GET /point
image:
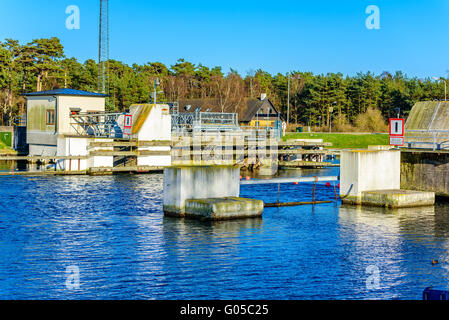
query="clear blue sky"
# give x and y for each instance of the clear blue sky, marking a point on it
(276, 36)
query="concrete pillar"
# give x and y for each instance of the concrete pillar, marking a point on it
(98, 161)
(72, 146)
(198, 182)
(368, 170)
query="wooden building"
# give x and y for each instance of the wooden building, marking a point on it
(251, 112)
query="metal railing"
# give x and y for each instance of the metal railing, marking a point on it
(289, 180)
(439, 139)
(98, 124)
(204, 121)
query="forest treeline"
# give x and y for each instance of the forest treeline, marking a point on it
(42, 65)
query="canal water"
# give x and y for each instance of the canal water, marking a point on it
(111, 229)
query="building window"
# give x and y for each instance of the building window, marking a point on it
(51, 117)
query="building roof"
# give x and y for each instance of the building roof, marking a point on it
(66, 92)
(246, 109)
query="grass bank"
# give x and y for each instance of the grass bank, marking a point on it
(343, 140)
(4, 149)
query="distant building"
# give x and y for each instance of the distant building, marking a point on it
(251, 112)
(48, 116)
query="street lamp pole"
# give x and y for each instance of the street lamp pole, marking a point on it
(331, 109)
(156, 84)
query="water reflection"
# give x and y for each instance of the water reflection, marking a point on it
(113, 229)
(400, 242)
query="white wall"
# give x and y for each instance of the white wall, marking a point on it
(157, 127)
(84, 103)
(72, 147)
(182, 183)
(101, 161)
(79, 146)
(368, 170)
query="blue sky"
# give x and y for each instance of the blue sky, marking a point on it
(276, 36)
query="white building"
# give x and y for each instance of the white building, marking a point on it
(48, 116)
(73, 126)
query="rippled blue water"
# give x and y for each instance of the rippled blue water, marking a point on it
(112, 228)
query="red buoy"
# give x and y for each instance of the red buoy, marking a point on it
(328, 184)
(248, 178)
(338, 186)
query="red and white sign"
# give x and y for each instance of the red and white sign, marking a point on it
(397, 132)
(128, 124)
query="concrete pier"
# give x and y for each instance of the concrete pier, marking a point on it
(398, 198)
(425, 170)
(206, 193)
(372, 177)
(368, 170)
(223, 208)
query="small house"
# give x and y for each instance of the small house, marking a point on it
(252, 112)
(48, 116)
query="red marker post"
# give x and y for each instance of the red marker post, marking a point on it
(128, 124)
(397, 132)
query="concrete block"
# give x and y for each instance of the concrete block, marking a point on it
(42, 150)
(155, 161)
(198, 182)
(100, 161)
(223, 208)
(398, 198)
(368, 170)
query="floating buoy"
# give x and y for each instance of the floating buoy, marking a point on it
(328, 184)
(248, 178)
(338, 186)
(434, 261)
(241, 177)
(295, 182)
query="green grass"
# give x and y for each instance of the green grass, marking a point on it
(4, 149)
(5, 138)
(343, 140)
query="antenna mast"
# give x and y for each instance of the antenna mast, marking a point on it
(103, 48)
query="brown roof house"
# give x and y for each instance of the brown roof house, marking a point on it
(251, 112)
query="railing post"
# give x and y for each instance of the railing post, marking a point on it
(434, 141)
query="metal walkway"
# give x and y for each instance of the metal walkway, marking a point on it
(278, 181)
(289, 180)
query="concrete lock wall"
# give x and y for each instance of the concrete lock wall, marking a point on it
(72, 147)
(425, 171)
(183, 183)
(80, 146)
(100, 161)
(368, 170)
(42, 150)
(152, 123)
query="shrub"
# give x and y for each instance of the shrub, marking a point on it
(371, 121)
(341, 124)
